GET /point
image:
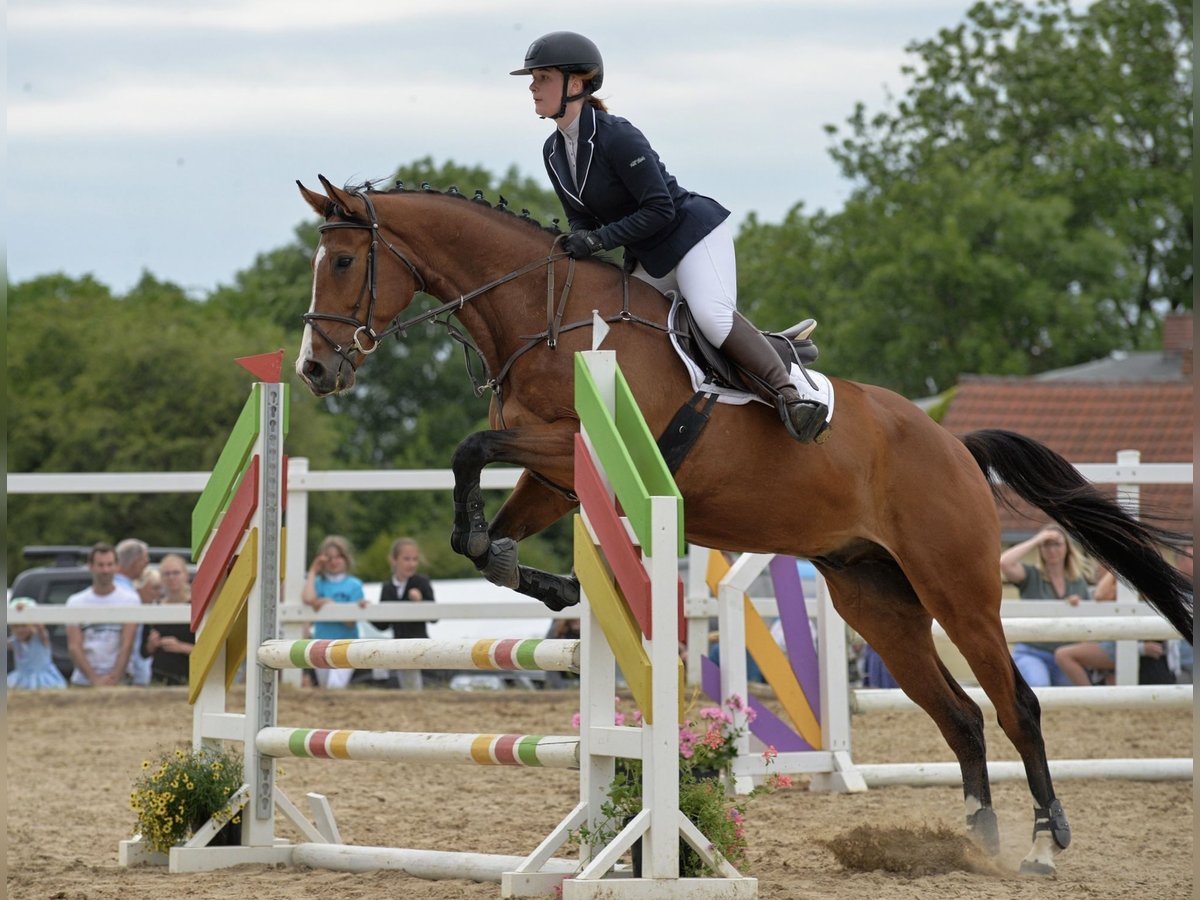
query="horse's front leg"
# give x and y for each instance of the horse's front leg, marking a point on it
(533, 505)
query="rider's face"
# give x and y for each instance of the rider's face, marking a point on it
(546, 87)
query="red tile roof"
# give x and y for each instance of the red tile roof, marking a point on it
(1086, 423)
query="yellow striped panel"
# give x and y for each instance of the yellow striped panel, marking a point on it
(620, 628)
(779, 675)
(222, 615)
(235, 645)
(771, 660)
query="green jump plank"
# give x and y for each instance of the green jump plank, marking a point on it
(643, 449)
(618, 465)
(617, 457)
(227, 472)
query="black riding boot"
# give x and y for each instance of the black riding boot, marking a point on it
(748, 348)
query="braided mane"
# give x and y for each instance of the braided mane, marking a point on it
(501, 207)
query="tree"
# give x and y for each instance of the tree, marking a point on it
(1025, 205)
(140, 383)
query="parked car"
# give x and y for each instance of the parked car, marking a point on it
(66, 574)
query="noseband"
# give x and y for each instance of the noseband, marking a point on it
(363, 326)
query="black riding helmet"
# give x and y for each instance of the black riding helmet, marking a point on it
(572, 54)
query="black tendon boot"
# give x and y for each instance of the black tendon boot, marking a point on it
(747, 348)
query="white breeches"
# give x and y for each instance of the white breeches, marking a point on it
(707, 278)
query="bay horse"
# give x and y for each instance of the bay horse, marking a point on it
(895, 512)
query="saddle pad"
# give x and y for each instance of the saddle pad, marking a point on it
(823, 392)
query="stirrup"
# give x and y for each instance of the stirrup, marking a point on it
(812, 428)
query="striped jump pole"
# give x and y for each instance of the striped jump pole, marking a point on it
(531, 655)
(522, 750)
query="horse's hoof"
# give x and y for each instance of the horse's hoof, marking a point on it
(1037, 868)
(1040, 859)
(556, 591)
(501, 565)
(985, 830)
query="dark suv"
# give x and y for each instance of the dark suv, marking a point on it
(66, 574)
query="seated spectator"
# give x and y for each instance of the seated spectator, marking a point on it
(1058, 575)
(170, 645)
(101, 652)
(1159, 662)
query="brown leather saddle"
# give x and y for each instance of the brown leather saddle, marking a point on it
(793, 345)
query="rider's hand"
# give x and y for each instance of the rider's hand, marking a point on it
(582, 244)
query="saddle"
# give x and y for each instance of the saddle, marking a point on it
(792, 344)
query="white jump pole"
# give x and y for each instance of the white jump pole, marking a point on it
(949, 773)
(422, 653)
(1143, 696)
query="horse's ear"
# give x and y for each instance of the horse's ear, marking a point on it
(321, 204)
(351, 204)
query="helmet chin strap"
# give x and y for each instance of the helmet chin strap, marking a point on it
(562, 108)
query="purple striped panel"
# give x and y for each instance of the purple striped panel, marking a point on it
(797, 632)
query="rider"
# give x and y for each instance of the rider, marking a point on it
(617, 193)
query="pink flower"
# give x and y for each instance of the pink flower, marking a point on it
(575, 719)
(619, 718)
(735, 703)
(637, 717)
(770, 753)
(780, 781)
(736, 816)
(716, 714)
(751, 714)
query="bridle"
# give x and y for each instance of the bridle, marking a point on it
(554, 316)
(363, 326)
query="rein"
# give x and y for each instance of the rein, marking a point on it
(554, 326)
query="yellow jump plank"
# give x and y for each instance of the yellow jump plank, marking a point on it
(617, 622)
(223, 615)
(771, 660)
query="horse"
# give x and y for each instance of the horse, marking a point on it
(897, 514)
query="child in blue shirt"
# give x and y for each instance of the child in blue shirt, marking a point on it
(329, 581)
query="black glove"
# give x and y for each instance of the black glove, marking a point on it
(582, 244)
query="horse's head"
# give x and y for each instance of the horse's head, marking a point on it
(348, 314)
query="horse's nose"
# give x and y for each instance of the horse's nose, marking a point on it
(313, 369)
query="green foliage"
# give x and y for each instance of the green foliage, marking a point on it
(143, 383)
(177, 793)
(1024, 206)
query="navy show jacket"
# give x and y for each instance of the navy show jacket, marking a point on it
(626, 194)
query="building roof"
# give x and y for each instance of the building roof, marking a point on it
(1088, 421)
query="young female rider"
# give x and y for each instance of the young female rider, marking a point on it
(617, 193)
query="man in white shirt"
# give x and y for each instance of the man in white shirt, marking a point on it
(101, 652)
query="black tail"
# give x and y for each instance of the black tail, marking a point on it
(1106, 532)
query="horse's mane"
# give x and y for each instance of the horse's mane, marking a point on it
(501, 207)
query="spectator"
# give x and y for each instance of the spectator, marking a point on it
(1058, 575)
(1159, 662)
(101, 652)
(406, 586)
(133, 561)
(168, 646)
(329, 581)
(30, 644)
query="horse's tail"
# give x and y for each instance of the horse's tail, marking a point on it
(1107, 532)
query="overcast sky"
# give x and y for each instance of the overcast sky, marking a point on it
(167, 135)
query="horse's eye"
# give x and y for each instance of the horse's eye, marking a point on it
(343, 262)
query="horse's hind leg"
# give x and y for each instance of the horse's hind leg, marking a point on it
(967, 607)
(876, 600)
